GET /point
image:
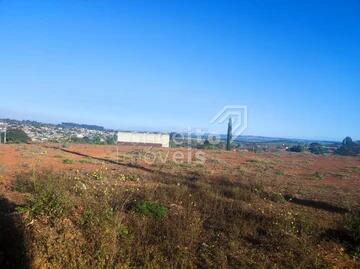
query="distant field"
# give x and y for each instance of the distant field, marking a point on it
(87, 206)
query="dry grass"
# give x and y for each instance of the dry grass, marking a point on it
(77, 221)
(238, 210)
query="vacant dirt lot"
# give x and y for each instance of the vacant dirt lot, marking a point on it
(307, 195)
(330, 179)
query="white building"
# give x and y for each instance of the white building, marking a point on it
(160, 139)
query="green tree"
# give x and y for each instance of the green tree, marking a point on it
(111, 140)
(317, 148)
(229, 135)
(297, 148)
(348, 148)
(96, 140)
(17, 136)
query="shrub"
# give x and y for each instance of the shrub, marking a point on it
(154, 210)
(316, 148)
(297, 148)
(207, 145)
(46, 200)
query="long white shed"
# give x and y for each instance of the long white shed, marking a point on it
(161, 139)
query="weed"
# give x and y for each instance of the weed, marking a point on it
(87, 160)
(259, 189)
(317, 175)
(275, 197)
(68, 161)
(97, 175)
(352, 227)
(46, 200)
(123, 177)
(261, 165)
(123, 231)
(91, 218)
(23, 184)
(151, 209)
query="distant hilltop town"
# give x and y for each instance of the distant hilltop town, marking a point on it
(66, 131)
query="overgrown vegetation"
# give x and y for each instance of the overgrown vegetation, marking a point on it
(48, 200)
(352, 226)
(151, 209)
(74, 220)
(97, 140)
(348, 148)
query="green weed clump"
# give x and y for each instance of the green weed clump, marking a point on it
(46, 199)
(87, 160)
(67, 161)
(147, 208)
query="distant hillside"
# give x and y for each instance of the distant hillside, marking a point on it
(25, 122)
(66, 125)
(267, 140)
(262, 139)
(85, 126)
(240, 139)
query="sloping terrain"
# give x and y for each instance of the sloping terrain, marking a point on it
(87, 206)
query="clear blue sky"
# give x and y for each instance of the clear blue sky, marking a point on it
(170, 65)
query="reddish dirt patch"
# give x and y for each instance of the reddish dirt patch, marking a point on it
(332, 179)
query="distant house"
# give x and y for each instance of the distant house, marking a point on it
(157, 139)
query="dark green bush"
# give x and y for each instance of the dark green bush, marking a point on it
(316, 148)
(297, 148)
(17, 136)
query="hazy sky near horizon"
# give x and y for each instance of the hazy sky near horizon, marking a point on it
(170, 65)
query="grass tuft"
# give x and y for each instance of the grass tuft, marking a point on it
(67, 161)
